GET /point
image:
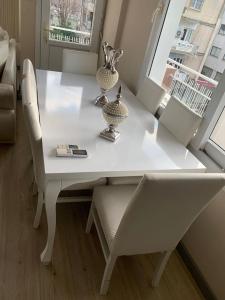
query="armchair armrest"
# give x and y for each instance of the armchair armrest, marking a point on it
(7, 96)
(9, 73)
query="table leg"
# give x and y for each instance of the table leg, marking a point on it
(51, 194)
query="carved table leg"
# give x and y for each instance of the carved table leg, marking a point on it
(51, 194)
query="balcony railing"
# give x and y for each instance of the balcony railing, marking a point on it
(69, 35)
(189, 86)
(184, 47)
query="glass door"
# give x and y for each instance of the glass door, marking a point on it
(72, 24)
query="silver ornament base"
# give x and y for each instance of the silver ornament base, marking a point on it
(110, 134)
(101, 100)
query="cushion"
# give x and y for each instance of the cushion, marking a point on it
(4, 49)
(111, 203)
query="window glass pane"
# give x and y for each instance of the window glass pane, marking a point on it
(71, 20)
(215, 51)
(218, 76)
(222, 29)
(197, 4)
(218, 134)
(207, 71)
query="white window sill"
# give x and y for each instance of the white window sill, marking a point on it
(196, 9)
(211, 165)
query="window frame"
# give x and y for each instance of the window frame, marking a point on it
(217, 48)
(194, 4)
(213, 112)
(209, 69)
(221, 32)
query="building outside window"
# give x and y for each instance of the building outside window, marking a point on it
(215, 51)
(202, 74)
(187, 34)
(218, 76)
(197, 4)
(207, 71)
(222, 29)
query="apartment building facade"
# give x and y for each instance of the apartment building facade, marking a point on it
(198, 27)
(215, 61)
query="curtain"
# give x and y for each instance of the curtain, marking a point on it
(10, 16)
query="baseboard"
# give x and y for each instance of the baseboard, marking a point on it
(197, 275)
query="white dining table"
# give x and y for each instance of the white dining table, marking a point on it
(68, 116)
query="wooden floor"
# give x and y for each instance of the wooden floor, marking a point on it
(78, 262)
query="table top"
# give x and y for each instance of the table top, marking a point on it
(68, 116)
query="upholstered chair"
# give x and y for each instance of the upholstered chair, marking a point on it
(31, 115)
(180, 120)
(8, 91)
(148, 218)
(151, 95)
(79, 62)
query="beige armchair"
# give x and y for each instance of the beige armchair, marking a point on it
(8, 97)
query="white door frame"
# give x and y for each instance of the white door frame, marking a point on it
(42, 11)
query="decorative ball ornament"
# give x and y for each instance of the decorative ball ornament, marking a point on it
(107, 75)
(114, 113)
(106, 78)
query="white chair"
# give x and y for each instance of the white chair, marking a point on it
(79, 62)
(151, 95)
(29, 87)
(31, 115)
(149, 218)
(180, 120)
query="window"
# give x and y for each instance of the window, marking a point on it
(218, 76)
(222, 29)
(72, 21)
(187, 33)
(218, 134)
(215, 51)
(215, 146)
(207, 71)
(197, 4)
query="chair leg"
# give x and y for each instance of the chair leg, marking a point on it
(90, 219)
(107, 274)
(160, 267)
(39, 209)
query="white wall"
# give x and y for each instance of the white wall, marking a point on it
(27, 39)
(205, 241)
(133, 39)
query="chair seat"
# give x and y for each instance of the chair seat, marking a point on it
(124, 180)
(111, 203)
(86, 185)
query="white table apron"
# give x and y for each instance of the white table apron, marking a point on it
(68, 116)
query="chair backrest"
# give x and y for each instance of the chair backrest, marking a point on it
(162, 209)
(31, 115)
(35, 137)
(180, 120)
(29, 86)
(151, 94)
(79, 62)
